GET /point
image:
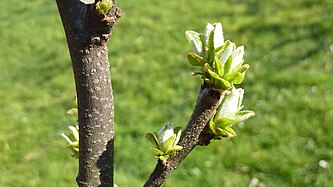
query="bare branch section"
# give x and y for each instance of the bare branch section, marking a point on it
(87, 35)
(207, 102)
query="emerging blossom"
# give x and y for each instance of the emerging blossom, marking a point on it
(228, 114)
(221, 61)
(165, 141)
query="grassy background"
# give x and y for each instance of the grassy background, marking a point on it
(289, 45)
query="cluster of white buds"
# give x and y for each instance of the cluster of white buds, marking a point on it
(221, 61)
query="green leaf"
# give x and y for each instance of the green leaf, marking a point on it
(66, 138)
(74, 144)
(75, 103)
(237, 76)
(243, 68)
(220, 132)
(227, 65)
(153, 139)
(213, 74)
(178, 133)
(163, 158)
(176, 148)
(157, 151)
(195, 40)
(212, 126)
(223, 122)
(210, 45)
(74, 132)
(218, 67)
(219, 50)
(75, 149)
(195, 59)
(243, 115)
(231, 131)
(207, 78)
(234, 77)
(207, 67)
(167, 145)
(226, 132)
(221, 84)
(225, 52)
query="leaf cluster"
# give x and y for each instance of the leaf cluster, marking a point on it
(222, 64)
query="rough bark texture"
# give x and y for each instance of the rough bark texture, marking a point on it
(87, 35)
(207, 102)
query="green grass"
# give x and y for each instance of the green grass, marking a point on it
(288, 44)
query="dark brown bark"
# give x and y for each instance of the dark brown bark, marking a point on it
(207, 102)
(87, 34)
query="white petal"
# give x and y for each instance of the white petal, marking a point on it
(165, 133)
(218, 35)
(237, 56)
(208, 31)
(245, 116)
(227, 52)
(194, 39)
(177, 137)
(230, 104)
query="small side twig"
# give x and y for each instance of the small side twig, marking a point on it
(207, 102)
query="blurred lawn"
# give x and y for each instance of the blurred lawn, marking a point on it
(289, 45)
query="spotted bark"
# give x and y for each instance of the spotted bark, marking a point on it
(87, 36)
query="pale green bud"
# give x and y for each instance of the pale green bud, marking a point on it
(165, 141)
(231, 104)
(228, 114)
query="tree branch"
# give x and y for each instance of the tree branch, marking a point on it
(207, 102)
(87, 34)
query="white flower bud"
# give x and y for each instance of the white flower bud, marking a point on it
(231, 104)
(165, 133)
